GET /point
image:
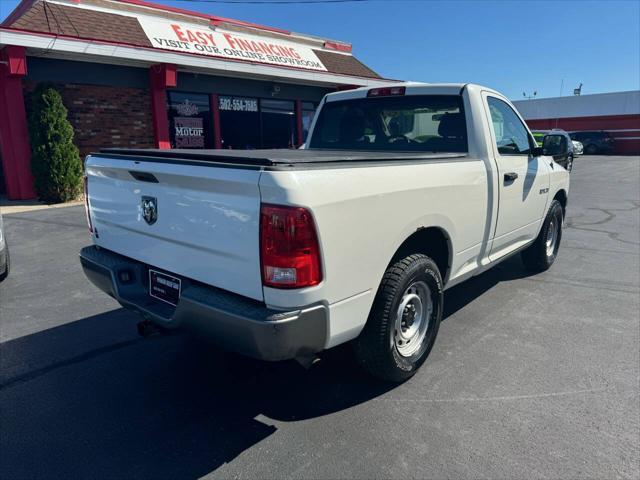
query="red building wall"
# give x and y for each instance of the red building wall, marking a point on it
(624, 128)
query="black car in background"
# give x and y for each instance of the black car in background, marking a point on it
(595, 142)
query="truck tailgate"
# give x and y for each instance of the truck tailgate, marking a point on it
(207, 218)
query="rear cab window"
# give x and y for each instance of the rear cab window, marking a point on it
(412, 123)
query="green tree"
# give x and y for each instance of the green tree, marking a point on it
(55, 160)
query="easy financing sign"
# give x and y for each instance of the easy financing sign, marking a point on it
(192, 39)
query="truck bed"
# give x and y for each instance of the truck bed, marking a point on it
(270, 158)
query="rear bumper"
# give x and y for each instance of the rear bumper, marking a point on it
(235, 323)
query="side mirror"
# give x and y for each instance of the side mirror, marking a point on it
(552, 145)
(537, 151)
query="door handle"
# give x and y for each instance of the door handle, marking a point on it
(510, 177)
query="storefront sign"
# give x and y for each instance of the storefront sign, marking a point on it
(187, 108)
(238, 104)
(200, 40)
(189, 132)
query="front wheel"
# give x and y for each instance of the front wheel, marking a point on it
(569, 163)
(542, 253)
(404, 320)
(5, 273)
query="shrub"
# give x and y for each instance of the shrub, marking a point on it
(55, 160)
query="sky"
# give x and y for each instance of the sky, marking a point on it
(512, 46)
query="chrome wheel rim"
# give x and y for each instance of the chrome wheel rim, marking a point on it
(412, 318)
(552, 238)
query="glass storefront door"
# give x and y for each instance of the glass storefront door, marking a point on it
(250, 123)
(190, 123)
(278, 123)
(308, 112)
(239, 123)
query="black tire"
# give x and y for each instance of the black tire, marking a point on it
(570, 163)
(591, 149)
(376, 348)
(539, 256)
(7, 267)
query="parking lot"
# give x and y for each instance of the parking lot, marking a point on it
(531, 376)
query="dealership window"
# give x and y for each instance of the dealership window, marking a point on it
(248, 123)
(239, 123)
(308, 112)
(278, 123)
(190, 120)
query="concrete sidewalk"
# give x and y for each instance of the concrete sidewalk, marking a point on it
(8, 207)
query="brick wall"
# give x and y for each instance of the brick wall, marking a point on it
(105, 116)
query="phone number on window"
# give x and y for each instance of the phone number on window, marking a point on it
(239, 104)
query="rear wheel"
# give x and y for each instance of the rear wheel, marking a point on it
(542, 253)
(591, 149)
(404, 320)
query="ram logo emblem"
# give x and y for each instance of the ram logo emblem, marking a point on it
(150, 209)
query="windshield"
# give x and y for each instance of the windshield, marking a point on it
(414, 123)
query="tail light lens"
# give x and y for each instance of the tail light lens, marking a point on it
(289, 249)
(86, 203)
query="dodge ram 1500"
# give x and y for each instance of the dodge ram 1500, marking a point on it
(400, 193)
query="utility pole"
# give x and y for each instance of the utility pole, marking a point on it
(529, 97)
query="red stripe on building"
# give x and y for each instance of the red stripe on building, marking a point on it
(608, 123)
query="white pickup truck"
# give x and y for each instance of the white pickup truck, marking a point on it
(400, 193)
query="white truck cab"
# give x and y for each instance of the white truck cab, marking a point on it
(400, 192)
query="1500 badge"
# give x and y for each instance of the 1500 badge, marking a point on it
(543, 191)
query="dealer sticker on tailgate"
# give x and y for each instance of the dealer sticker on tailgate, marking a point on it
(164, 287)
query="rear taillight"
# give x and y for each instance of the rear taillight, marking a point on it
(386, 91)
(86, 203)
(289, 250)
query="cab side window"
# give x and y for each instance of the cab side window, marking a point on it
(512, 137)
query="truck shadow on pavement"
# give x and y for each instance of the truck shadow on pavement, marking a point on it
(463, 294)
(91, 399)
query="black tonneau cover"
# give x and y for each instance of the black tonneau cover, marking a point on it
(274, 157)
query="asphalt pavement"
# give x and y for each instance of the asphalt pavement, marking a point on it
(532, 376)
